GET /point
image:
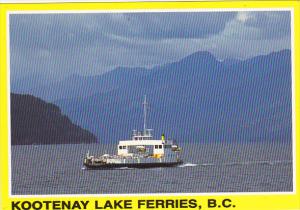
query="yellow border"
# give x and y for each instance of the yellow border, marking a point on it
(241, 201)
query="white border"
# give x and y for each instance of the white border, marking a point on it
(294, 145)
(291, 10)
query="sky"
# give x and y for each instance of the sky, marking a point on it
(59, 45)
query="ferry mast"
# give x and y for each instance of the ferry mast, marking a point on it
(145, 104)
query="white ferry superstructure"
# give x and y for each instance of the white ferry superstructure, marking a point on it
(141, 151)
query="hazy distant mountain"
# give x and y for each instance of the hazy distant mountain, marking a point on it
(231, 61)
(76, 86)
(197, 98)
(34, 121)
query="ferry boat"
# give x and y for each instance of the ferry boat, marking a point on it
(141, 151)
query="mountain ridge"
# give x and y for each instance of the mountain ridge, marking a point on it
(195, 99)
(211, 102)
(34, 121)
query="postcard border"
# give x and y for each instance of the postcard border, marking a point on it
(295, 149)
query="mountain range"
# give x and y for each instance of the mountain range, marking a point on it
(195, 99)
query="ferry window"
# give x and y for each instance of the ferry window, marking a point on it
(120, 147)
(156, 146)
(124, 147)
(160, 146)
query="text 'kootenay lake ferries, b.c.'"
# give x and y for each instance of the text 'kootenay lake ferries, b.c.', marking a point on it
(123, 204)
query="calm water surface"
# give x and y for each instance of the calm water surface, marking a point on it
(58, 169)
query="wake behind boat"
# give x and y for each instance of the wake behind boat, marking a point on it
(141, 151)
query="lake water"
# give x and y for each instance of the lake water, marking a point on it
(216, 167)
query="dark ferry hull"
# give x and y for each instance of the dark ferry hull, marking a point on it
(131, 165)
